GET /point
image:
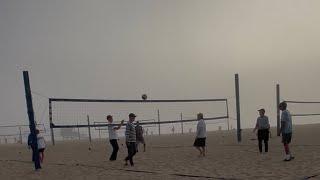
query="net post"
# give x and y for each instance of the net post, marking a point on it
(89, 130)
(32, 124)
(159, 121)
(238, 106)
(51, 123)
(78, 131)
(181, 123)
(278, 110)
(228, 119)
(20, 135)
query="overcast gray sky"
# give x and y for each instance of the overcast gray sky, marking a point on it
(168, 49)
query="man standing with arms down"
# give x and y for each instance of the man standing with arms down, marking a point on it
(130, 139)
(139, 135)
(201, 134)
(286, 130)
(263, 126)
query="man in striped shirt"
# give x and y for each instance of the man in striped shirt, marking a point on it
(130, 139)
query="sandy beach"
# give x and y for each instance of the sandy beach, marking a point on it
(172, 157)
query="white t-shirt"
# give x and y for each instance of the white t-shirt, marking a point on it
(41, 142)
(286, 117)
(201, 129)
(112, 132)
(263, 122)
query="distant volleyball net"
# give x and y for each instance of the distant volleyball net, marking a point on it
(304, 108)
(17, 133)
(304, 112)
(77, 118)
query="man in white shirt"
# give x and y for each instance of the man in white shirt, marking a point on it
(41, 145)
(201, 134)
(286, 130)
(263, 126)
(113, 137)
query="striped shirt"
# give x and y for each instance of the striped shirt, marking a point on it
(130, 132)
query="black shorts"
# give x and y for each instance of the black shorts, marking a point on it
(286, 138)
(200, 142)
(41, 150)
(263, 134)
(140, 140)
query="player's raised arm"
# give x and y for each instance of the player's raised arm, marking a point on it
(118, 127)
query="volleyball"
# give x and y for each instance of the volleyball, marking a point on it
(144, 96)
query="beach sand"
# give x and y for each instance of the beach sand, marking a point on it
(172, 157)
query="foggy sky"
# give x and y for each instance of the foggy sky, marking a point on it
(168, 49)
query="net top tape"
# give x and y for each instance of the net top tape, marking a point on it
(133, 101)
(303, 102)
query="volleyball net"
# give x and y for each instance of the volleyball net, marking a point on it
(304, 112)
(17, 133)
(304, 108)
(155, 116)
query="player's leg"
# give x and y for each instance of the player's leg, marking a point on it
(129, 151)
(133, 152)
(42, 156)
(115, 150)
(260, 145)
(197, 146)
(137, 146)
(200, 150)
(285, 141)
(113, 143)
(203, 150)
(266, 141)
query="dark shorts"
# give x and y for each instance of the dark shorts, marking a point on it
(263, 134)
(41, 150)
(200, 142)
(286, 138)
(140, 140)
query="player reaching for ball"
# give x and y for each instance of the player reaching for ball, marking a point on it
(113, 137)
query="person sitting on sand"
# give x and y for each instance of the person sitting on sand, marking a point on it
(41, 145)
(200, 141)
(139, 136)
(286, 130)
(113, 137)
(130, 139)
(263, 126)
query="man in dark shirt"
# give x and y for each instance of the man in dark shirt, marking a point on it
(30, 146)
(140, 139)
